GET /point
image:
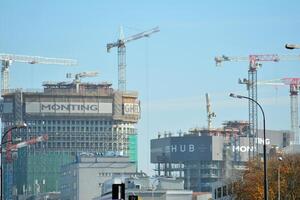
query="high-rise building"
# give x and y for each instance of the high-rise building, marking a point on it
(77, 118)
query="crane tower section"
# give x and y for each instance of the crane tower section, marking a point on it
(294, 84)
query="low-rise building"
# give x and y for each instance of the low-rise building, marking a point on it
(144, 187)
(83, 179)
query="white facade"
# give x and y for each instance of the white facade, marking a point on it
(83, 180)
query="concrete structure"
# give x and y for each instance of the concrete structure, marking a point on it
(202, 157)
(159, 188)
(223, 190)
(83, 179)
(292, 149)
(78, 117)
(202, 196)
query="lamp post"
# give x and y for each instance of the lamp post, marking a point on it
(292, 46)
(279, 159)
(264, 129)
(152, 189)
(23, 125)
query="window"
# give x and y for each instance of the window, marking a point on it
(215, 194)
(230, 189)
(224, 191)
(219, 192)
(137, 186)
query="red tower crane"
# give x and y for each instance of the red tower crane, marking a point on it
(8, 151)
(294, 84)
(251, 82)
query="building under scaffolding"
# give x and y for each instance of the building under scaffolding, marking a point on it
(202, 157)
(77, 118)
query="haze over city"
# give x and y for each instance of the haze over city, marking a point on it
(172, 69)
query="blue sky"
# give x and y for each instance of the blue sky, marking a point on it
(173, 69)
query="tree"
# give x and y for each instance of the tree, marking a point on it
(251, 186)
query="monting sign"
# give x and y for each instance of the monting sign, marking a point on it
(63, 107)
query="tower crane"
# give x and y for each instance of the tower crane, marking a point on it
(7, 60)
(9, 159)
(210, 114)
(77, 77)
(251, 82)
(294, 84)
(120, 43)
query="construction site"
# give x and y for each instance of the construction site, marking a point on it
(76, 118)
(48, 129)
(204, 156)
(63, 120)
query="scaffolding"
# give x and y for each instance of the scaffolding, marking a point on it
(37, 167)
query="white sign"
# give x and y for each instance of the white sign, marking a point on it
(131, 108)
(246, 148)
(242, 148)
(181, 148)
(71, 108)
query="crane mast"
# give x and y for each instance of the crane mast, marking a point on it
(120, 44)
(7, 60)
(77, 77)
(210, 114)
(294, 85)
(251, 82)
(9, 159)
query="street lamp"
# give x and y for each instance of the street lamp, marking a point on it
(264, 129)
(279, 159)
(292, 46)
(152, 189)
(23, 125)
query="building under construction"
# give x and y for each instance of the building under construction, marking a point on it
(77, 118)
(204, 156)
